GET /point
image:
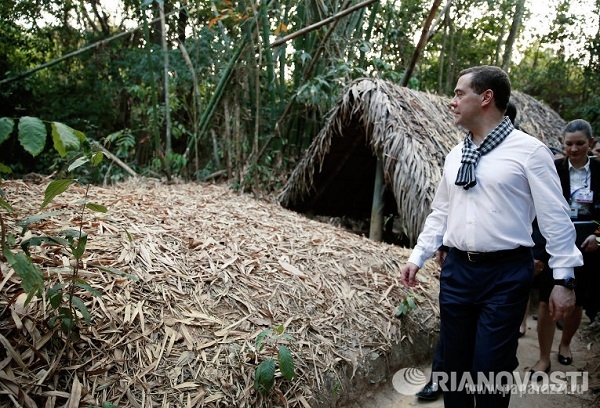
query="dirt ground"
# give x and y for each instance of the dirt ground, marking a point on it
(586, 351)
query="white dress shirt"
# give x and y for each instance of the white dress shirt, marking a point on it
(579, 181)
(515, 182)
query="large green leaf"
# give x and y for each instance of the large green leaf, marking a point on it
(55, 295)
(79, 250)
(6, 127)
(116, 272)
(286, 362)
(32, 135)
(64, 138)
(36, 241)
(31, 276)
(259, 339)
(264, 377)
(78, 303)
(5, 169)
(55, 188)
(96, 207)
(78, 163)
(86, 286)
(96, 158)
(5, 205)
(35, 218)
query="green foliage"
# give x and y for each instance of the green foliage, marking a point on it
(264, 376)
(31, 134)
(55, 188)
(269, 342)
(337, 386)
(6, 128)
(173, 164)
(68, 308)
(105, 405)
(65, 139)
(32, 279)
(232, 84)
(123, 141)
(406, 305)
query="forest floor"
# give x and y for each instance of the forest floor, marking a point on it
(585, 348)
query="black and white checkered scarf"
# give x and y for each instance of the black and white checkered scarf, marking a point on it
(471, 153)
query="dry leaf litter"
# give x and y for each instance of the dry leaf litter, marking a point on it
(213, 268)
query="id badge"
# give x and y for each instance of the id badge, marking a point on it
(584, 196)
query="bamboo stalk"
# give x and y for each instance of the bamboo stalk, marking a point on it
(321, 23)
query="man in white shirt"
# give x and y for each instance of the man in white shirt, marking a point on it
(493, 185)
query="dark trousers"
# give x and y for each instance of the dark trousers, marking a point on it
(438, 357)
(481, 306)
(588, 284)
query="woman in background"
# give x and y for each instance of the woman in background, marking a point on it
(595, 150)
(580, 180)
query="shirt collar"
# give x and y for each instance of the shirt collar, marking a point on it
(585, 167)
(503, 129)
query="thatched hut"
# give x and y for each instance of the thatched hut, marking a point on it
(410, 131)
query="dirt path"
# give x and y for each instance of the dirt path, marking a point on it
(585, 359)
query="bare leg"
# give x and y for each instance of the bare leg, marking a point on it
(570, 326)
(545, 330)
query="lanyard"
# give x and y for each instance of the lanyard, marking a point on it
(585, 183)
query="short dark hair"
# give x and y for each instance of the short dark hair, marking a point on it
(484, 77)
(511, 112)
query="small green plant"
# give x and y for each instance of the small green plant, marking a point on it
(269, 342)
(105, 405)
(68, 307)
(406, 305)
(336, 388)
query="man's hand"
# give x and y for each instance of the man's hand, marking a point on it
(440, 256)
(590, 244)
(561, 303)
(538, 267)
(408, 275)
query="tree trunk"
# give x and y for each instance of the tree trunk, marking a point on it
(165, 49)
(421, 44)
(443, 54)
(512, 35)
(376, 227)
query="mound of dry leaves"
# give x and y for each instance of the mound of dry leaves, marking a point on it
(208, 270)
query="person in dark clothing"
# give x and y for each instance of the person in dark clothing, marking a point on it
(579, 177)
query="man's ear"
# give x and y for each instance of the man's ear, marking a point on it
(488, 97)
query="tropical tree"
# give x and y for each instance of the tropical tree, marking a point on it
(238, 90)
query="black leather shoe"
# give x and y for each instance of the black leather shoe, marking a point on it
(430, 392)
(535, 375)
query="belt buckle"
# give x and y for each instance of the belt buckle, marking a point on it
(474, 254)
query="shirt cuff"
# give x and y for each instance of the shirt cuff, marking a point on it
(418, 257)
(563, 273)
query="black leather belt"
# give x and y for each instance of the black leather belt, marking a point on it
(482, 257)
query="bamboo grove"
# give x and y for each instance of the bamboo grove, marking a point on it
(236, 91)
